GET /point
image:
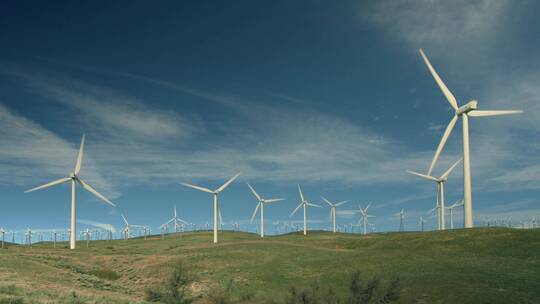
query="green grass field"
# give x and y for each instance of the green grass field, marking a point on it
(485, 265)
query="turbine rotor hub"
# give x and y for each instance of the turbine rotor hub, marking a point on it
(470, 106)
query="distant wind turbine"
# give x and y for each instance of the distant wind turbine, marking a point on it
(451, 208)
(260, 205)
(440, 190)
(174, 221)
(401, 218)
(333, 207)
(215, 195)
(422, 222)
(365, 216)
(304, 203)
(469, 109)
(74, 178)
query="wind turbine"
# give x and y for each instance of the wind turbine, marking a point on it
(401, 218)
(74, 178)
(440, 190)
(175, 221)
(304, 203)
(365, 216)
(333, 207)
(451, 208)
(215, 194)
(127, 230)
(86, 234)
(469, 109)
(28, 236)
(422, 222)
(260, 204)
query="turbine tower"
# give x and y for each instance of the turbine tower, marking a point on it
(260, 204)
(440, 190)
(365, 216)
(74, 179)
(304, 203)
(333, 207)
(215, 195)
(465, 111)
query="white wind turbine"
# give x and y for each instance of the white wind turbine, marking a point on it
(127, 229)
(451, 208)
(174, 221)
(469, 109)
(422, 222)
(333, 207)
(304, 203)
(440, 190)
(365, 216)
(215, 195)
(260, 205)
(401, 218)
(74, 178)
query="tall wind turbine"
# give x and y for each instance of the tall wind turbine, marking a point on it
(451, 208)
(365, 216)
(215, 194)
(333, 207)
(440, 190)
(260, 205)
(304, 203)
(74, 179)
(469, 109)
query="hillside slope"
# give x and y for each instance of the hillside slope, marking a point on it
(486, 265)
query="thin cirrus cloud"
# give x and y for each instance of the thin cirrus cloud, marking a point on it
(33, 155)
(268, 142)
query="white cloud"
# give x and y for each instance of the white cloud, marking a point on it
(438, 23)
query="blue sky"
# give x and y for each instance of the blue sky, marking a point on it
(333, 97)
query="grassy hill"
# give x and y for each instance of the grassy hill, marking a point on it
(486, 265)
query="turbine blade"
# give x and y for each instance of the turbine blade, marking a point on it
(80, 157)
(313, 205)
(254, 213)
(369, 205)
(296, 209)
(257, 196)
(301, 194)
(340, 203)
(429, 177)
(478, 113)
(125, 220)
(198, 188)
(445, 175)
(168, 222)
(56, 182)
(328, 202)
(274, 200)
(449, 96)
(443, 141)
(94, 192)
(227, 183)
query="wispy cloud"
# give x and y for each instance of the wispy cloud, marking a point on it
(98, 225)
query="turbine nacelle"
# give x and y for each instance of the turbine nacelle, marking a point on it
(470, 106)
